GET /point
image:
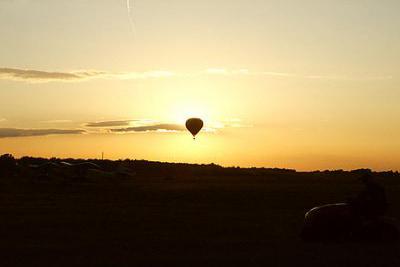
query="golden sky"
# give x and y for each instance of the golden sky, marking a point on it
(294, 84)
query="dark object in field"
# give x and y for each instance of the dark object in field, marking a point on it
(371, 202)
(339, 222)
(54, 170)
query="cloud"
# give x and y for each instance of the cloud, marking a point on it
(2, 119)
(56, 121)
(143, 75)
(35, 76)
(45, 76)
(141, 126)
(109, 123)
(228, 123)
(144, 126)
(151, 128)
(236, 123)
(13, 132)
(74, 76)
(246, 72)
(119, 123)
(223, 71)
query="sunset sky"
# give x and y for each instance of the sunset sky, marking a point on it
(294, 84)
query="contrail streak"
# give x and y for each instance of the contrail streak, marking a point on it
(130, 17)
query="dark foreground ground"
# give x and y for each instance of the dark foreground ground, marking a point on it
(207, 221)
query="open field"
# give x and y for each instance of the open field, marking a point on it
(194, 221)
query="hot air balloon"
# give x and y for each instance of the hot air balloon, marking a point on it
(194, 126)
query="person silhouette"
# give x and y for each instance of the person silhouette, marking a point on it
(371, 202)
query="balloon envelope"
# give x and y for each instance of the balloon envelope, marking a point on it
(194, 125)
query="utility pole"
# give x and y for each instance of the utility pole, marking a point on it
(102, 155)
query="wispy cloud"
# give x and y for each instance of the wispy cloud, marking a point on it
(46, 76)
(121, 126)
(84, 75)
(227, 72)
(105, 124)
(227, 123)
(120, 123)
(151, 128)
(56, 121)
(2, 119)
(235, 123)
(130, 15)
(75, 76)
(246, 72)
(215, 126)
(14, 132)
(154, 74)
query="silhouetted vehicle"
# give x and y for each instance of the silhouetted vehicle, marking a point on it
(46, 171)
(79, 170)
(339, 222)
(361, 218)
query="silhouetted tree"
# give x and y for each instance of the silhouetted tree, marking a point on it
(7, 164)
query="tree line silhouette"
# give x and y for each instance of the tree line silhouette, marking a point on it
(30, 166)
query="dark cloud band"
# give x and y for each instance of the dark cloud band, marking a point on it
(13, 132)
(36, 75)
(109, 123)
(151, 128)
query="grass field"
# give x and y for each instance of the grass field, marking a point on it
(207, 221)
